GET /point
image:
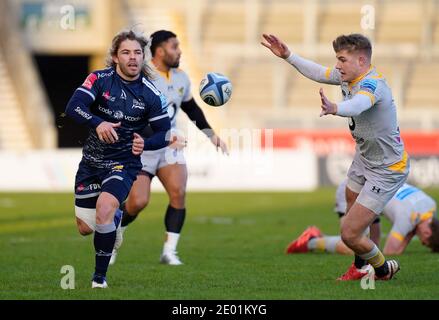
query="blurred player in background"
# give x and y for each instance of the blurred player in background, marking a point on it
(116, 103)
(168, 165)
(381, 165)
(411, 211)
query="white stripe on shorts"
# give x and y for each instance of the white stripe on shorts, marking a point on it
(86, 196)
(112, 177)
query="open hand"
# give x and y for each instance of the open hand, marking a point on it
(276, 46)
(327, 106)
(219, 144)
(106, 132)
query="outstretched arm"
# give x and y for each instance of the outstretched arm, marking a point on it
(308, 68)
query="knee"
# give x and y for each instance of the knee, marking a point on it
(177, 194)
(104, 213)
(137, 204)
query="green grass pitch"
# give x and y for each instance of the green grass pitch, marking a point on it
(232, 246)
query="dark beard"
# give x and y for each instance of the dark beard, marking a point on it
(175, 65)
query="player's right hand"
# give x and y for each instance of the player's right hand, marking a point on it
(278, 47)
(107, 133)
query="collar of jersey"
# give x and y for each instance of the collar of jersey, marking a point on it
(139, 79)
(165, 75)
(359, 78)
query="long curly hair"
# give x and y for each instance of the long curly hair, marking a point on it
(129, 35)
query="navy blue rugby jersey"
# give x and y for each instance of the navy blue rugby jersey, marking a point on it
(105, 96)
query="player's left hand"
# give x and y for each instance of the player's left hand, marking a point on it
(327, 106)
(138, 144)
(219, 144)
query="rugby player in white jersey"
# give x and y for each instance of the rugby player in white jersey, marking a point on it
(168, 164)
(381, 165)
(411, 212)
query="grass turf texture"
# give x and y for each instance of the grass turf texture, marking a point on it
(232, 246)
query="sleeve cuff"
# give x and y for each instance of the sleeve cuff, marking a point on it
(291, 59)
(95, 121)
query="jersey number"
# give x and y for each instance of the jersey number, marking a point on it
(352, 124)
(172, 110)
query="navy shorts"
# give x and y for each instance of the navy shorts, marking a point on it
(90, 182)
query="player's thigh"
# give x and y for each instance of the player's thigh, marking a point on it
(381, 185)
(115, 187)
(174, 179)
(355, 182)
(140, 192)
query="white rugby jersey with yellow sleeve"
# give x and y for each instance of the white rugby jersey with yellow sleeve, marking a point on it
(369, 104)
(408, 207)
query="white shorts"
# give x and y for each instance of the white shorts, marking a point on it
(154, 160)
(376, 186)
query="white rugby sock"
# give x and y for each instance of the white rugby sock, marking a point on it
(326, 243)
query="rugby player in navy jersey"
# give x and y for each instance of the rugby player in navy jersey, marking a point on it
(168, 165)
(116, 103)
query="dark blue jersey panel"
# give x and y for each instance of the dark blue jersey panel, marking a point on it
(104, 96)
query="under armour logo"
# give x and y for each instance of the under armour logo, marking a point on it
(376, 189)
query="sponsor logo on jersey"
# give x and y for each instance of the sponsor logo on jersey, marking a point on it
(369, 85)
(105, 74)
(123, 96)
(117, 168)
(132, 119)
(138, 104)
(118, 115)
(105, 110)
(82, 113)
(108, 97)
(91, 79)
